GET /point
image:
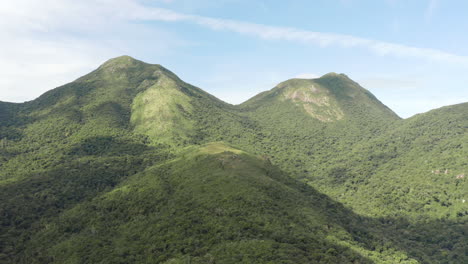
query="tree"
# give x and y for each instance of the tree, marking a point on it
(3, 143)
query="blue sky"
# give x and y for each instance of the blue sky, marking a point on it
(413, 55)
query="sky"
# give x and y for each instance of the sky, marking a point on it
(413, 55)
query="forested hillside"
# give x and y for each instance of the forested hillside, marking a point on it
(129, 164)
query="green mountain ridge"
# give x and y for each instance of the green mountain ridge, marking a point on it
(194, 208)
(129, 164)
(327, 98)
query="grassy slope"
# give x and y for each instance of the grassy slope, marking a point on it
(371, 161)
(69, 145)
(68, 149)
(308, 144)
(82, 139)
(376, 150)
(212, 204)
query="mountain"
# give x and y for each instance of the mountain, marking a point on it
(330, 98)
(129, 164)
(423, 155)
(212, 204)
(366, 149)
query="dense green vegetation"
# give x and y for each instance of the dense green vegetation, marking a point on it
(213, 204)
(126, 165)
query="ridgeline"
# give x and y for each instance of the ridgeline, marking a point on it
(130, 164)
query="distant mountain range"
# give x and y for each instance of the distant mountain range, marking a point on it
(129, 164)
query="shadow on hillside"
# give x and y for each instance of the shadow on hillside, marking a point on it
(27, 204)
(427, 240)
(105, 146)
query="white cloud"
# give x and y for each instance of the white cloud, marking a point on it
(306, 37)
(29, 67)
(430, 9)
(307, 76)
(46, 43)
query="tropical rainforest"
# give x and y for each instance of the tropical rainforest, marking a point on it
(130, 164)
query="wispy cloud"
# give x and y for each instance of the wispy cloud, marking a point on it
(71, 37)
(430, 9)
(322, 39)
(104, 12)
(307, 76)
(48, 43)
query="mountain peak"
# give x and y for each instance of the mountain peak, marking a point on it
(121, 59)
(121, 62)
(334, 74)
(332, 97)
(130, 68)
